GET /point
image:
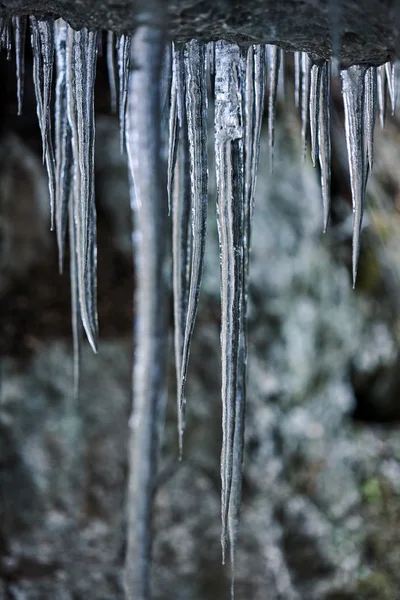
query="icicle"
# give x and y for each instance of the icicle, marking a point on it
(370, 112)
(305, 98)
(81, 71)
(75, 306)
(111, 70)
(63, 156)
(124, 50)
(297, 68)
(353, 90)
(181, 230)
(315, 92)
(390, 76)
(324, 139)
(281, 76)
(4, 23)
(42, 40)
(253, 104)
(381, 83)
(148, 200)
(229, 172)
(19, 25)
(173, 136)
(8, 44)
(273, 66)
(196, 114)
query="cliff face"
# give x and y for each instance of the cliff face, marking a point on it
(367, 28)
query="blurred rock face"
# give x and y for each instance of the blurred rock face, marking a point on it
(320, 500)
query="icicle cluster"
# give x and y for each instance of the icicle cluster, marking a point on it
(161, 93)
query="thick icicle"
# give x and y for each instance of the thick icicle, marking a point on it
(181, 221)
(381, 83)
(324, 139)
(19, 25)
(305, 98)
(63, 147)
(370, 112)
(111, 70)
(81, 71)
(42, 40)
(315, 93)
(353, 91)
(196, 115)
(273, 69)
(229, 172)
(148, 199)
(124, 52)
(297, 70)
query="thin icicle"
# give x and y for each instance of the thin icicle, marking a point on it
(173, 134)
(196, 114)
(324, 139)
(381, 83)
(124, 51)
(253, 90)
(370, 112)
(273, 69)
(81, 71)
(297, 70)
(19, 25)
(75, 306)
(229, 172)
(63, 147)
(111, 70)
(390, 76)
(42, 40)
(305, 98)
(315, 93)
(181, 224)
(148, 199)
(353, 91)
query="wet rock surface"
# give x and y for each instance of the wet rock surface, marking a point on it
(366, 30)
(320, 516)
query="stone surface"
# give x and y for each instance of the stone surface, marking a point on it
(367, 29)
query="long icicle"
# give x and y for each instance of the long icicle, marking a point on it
(274, 57)
(253, 91)
(42, 41)
(81, 70)
(75, 305)
(19, 25)
(324, 140)
(196, 114)
(229, 171)
(149, 203)
(63, 157)
(181, 222)
(353, 91)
